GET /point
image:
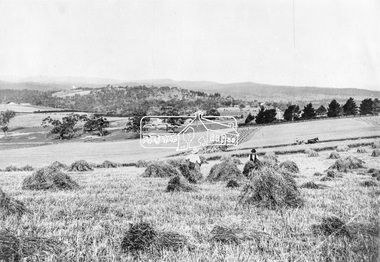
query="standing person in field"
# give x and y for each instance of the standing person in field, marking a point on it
(194, 160)
(253, 151)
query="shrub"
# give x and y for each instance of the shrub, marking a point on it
(232, 184)
(361, 150)
(80, 166)
(271, 189)
(224, 171)
(290, 166)
(179, 184)
(376, 152)
(334, 155)
(10, 206)
(160, 169)
(342, 148)
(349, 163)
(48, 178)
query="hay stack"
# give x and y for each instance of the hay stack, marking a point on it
(179, 184)
(108, 164)
(290, 166)
(376, 152)
(331, 225)
(49, 178)
(191, 171)
(342, 148)
(232, 184)
(271, 155)
(58, 165)
(347, 164)
(313, 153)
(271, 189)
(312, 185)
(10, 206)
(334, 155)
(80, 166)
(224, 171)
(203, 160)
(18, 248)
(143, 237)
(142, 163)
(235, 160)
(376, 144)
(361, 150)
(369, 183)
(160, 169)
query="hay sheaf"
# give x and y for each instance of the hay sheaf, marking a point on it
(232, 184)
(142, 163)
(58, 165)
(347, 164)
(17, 248)
(224, 171)
(334, 155)
(256, 164)
(271, 189)
(10, 206)
(331, 225)
(80, 166)
(191, 171)
(143, 237)
(179, 184)
(342, 148)
(271, 155)
(376, 144)
(48, 178)
(361, 150)
(312, 185)
(108, 164)
(235, 160)
(160, 169)
(376, 152)
(313, 153)
(290, 166)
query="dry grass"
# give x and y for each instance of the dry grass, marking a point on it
(369, 183)
(235, 160)
(58, 165)
(331, 225)
(376, 144)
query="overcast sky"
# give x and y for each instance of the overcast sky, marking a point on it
(332, 43)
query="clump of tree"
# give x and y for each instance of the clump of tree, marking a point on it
(366, 107)
(65, 128)
(292, 113)
(249, 119)
(138, 118)
(308, 112)
(5, 118)
(94, 123)
(321, 110)
(334, 109)
(350, 107)
(266, 116)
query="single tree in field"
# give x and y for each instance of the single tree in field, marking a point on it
(292, 113)
(308, 112)
(350, 107)
(334, 109)
(212, 112)
(5, 118)
(376, 106)
(321, 110)
(66, 127)
(366, 106)
(138, 116)
(249, 119)
(96, 124)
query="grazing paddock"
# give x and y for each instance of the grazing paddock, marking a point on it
(91, 222)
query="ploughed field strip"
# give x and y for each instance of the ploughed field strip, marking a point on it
(266, 207)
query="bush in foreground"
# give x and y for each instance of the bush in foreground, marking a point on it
(80, 166)
(10, 206)
(271, 189)
(48, 178)
(224, 171)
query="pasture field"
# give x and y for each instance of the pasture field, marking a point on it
(91, 221)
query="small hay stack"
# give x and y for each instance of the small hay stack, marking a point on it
(232, 184)
(18, 248)
(80, 166)
(160, 169)
(361, 150)
(191, 172)
(271, 155)
(26, 168)
(271, 189)
(312, 185)
(290, 166)
(58, 165)
(334, 155)
(48, 178)
(10, 206)
(342, 148)
(313, 153)
(331, 225)
(376, 144)
(318, 174)
(108, 164)
(179, 184)
(142, 163)
(235, 160)
(224, 171)
(376, 152)
(347, 164)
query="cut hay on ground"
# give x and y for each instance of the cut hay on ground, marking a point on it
(342, 148)
(235, 160)
(334, 155)
(58, 165)
(160, 169)
(232, 184)
(80, 166)
(376, 144)
(10, 206)
(271, 189)
(361, 150)
(313, 153)
(179, 184)
(376, 152)
(18, 248)
(224, 171)
(48, 178)
(369, 183)
(108, 164)
(142, 237)
(312, 185)
(290, 166)
(347, 164)
(331, 225)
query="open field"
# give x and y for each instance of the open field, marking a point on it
(91, 221)
(24, 108)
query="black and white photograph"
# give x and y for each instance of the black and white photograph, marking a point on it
(189, 130)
